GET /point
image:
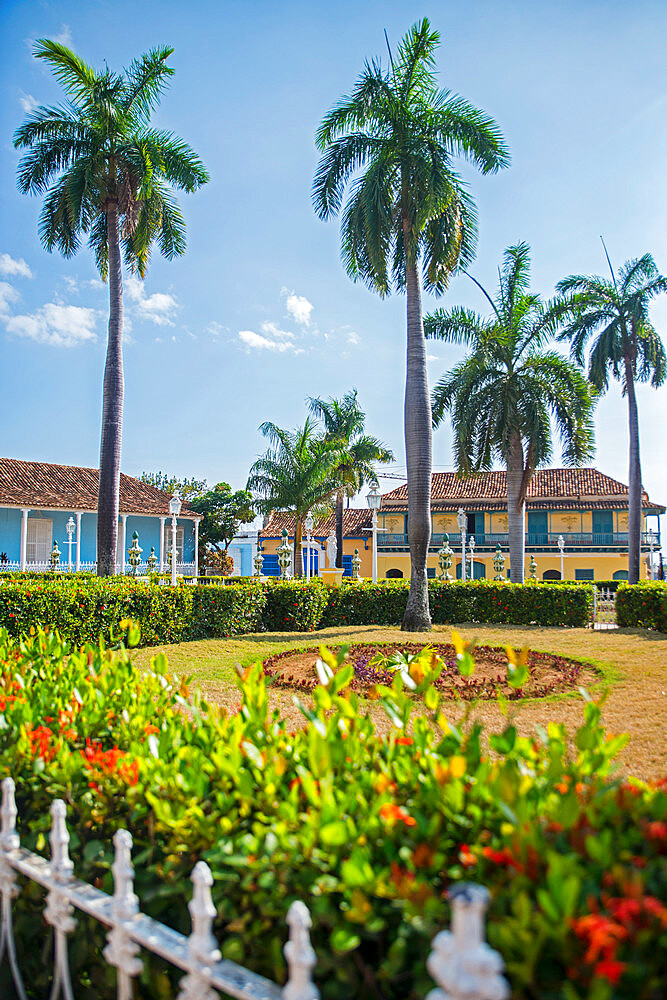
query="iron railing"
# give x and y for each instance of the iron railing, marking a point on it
(487, 541)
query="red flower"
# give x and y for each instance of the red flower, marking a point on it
(466, 857)
(610, 969)
(405, 741)
(391, 813)
(502, 857)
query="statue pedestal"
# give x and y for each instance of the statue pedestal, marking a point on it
(332, 577)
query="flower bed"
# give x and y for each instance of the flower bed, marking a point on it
(368, 828)
(376, 663)
(643, 605)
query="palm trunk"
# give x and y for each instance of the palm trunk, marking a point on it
(635, 479)
(339, 528)
(108, 496)
(418, 454)
(298, 558)
(516, 510)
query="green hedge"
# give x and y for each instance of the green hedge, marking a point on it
(367, 818)
(643, 605)
(82, 610)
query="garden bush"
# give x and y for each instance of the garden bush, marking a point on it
(82, 610)
(643, 605)
(369, 827)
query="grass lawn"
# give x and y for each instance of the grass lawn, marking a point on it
(632, 664)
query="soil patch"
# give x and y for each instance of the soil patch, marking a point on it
(547, 673)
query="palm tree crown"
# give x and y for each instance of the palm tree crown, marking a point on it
(344, 427)
(615, 314)
(408, 218)
(297, 473)
(504, 396)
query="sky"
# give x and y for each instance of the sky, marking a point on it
(260, 314)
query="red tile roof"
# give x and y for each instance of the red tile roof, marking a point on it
(70, 487)
(552, 485)
(356, 523)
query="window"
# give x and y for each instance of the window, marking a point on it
(40, 539)
(551, 574)
(620, 574)
(430, 572)
(394, 574)
(167, 543)
(584, 574)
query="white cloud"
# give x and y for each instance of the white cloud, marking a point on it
(298, 307)
(27, 102)
(432, 357)
(56, 324)
(215, 328)
(256, 342)
(158, 307)
(353, 338)
(11, 267)
(64, 36)
(273, 330)
(8, 294)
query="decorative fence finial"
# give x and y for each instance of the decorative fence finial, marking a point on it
(300, 955)
(202, 947)
(9, 838)
(59, 911)
(461, 963)
(121, 951)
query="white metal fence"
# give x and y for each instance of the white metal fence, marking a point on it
(604, 608)
(182, 568)
(461, 963)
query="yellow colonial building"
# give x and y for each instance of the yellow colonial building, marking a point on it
(588, 509)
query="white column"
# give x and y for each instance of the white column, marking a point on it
(122, 543)
(162, 520)
(196, 548)
(78, 539)
(375, 547)
(24, 536)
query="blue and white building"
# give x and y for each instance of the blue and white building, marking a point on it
(37, 500)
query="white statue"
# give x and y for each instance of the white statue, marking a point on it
(332, 550)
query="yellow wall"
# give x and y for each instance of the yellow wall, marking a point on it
(603, 566)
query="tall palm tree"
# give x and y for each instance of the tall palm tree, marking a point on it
(107, 174)
(505, 394)
(297, 474)
(344, 425)
(408, 219)
(627, 348)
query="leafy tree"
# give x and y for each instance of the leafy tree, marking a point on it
(408, 219)
(224, 511)
(298, 473)
(188, 488)
(626, 347)
(106, 173)
(505, 394)
(344, 423)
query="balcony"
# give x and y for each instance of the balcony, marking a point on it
(588, 541)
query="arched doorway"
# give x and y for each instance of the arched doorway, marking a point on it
(394, 574)
(551, 574)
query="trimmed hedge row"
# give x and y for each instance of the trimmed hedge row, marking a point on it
(643, 605)
(84, 610)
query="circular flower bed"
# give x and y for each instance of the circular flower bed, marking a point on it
(547, 673)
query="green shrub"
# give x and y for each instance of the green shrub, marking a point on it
(642, 605)
(367, 826)
(294, 606)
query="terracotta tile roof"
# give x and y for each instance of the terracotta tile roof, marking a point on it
(356, 522)
(551, 485)
(70, 487)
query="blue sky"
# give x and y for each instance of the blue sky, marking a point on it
(259, 314)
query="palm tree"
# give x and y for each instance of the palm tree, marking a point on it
(298, 473)
(344, 422)
(107, 174)
(504, 395)
(627, 347)
(408, 218)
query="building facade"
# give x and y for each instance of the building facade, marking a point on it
(588, 509)
(37, 499)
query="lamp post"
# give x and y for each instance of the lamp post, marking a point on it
(309, 524)
(471, 546)
(174, 509)
(70, 528)
(561, 546)
(462, 522)
(374, 500)
(651, 538)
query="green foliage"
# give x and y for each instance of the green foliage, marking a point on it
(224, 511)
(294, 606)
(188, 488)
(642, 605)
(369, 827)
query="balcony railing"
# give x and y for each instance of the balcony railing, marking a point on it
(541, 541)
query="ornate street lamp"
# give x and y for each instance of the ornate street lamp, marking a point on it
(175, 505)
(374, 501)
(134, 553)
(356, 565)
(284, 551)
(471, 546)
(499, 563)
(54, 558)
(445, 559)
(70, 528)
(309, 523)
(152, 561)
(561, 546)
(652, 539)
(462, 522)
